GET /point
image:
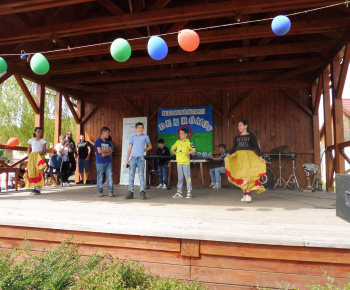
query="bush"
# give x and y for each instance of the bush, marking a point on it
(64, 268)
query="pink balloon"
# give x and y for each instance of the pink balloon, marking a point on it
(188, 40)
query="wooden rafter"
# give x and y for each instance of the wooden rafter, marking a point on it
(167, 99)
(71, 108)
(197, 71)
(241, 101)
(171, 15)
(213, 36)
(92, 112)
(296, 100)
(131, 105)
(231, 53)
(318, 95)
(27, 94)
(9, 6)
(5, 76)
(343, 72)
(216, 110)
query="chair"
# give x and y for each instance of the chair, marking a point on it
(55, 167)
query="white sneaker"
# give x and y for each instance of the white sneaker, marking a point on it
(212, 184)
(160, 186)
(217, 186)
(165, 186)
(248, 198)
(66, 184)
(243, 199)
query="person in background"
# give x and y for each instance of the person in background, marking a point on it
(163, 164)
(84, 151)
(10, 181)
(215, 173)
(62, 149)
(104, 162)
(21, 171)
(184, 148)
(71, 153)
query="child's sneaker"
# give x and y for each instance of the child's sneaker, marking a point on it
(160, 186)
(110, 193)
(100, 194)
(178, 194)
(189, 194)
(143, 194)
(217, 186)
(248, 198)
(212, 184)
(130, 195)
(165, 186)
(244, 197)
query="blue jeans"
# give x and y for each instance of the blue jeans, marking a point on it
(104, 168)
(215, 174)
(163, 174)
(138, 162)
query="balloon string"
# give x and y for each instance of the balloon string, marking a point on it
(195, 29)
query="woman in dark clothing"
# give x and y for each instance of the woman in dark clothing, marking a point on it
(243, 166)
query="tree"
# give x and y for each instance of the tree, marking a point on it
(17, 116)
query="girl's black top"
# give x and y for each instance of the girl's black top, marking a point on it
(246, 142)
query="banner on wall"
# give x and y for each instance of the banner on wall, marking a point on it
(197, 120)
(128, 132)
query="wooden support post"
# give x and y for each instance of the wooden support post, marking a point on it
(327, 129)
(338, 124)
(40, 101)
(225, 118)
(58, 117)
(315, 125)
(79, 130)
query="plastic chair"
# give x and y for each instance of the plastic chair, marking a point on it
(55, 167)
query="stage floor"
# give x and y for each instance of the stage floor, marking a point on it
(276, 217)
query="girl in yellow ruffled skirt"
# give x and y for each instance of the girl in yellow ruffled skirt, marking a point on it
(243, 166)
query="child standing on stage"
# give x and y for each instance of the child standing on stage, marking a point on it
(136, 152)
(34, 175)
(184, 148)
(163, 164)
(243, 167)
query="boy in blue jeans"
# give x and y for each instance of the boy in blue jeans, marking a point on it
(136, 152)
(104, 162)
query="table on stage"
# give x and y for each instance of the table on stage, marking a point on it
(7, 170)
(194, 160)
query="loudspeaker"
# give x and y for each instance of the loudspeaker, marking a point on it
(342, 183)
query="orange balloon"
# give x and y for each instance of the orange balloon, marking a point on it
(188, 40)
(12, 142)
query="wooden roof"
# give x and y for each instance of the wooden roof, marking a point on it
(241, 56)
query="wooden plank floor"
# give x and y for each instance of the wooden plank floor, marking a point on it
(283, 237)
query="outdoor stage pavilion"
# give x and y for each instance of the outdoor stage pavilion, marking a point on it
(244, 71)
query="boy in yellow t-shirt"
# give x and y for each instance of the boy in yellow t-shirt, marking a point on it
(184, 148)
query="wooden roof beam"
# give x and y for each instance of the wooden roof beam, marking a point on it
(71, 108)
(296, 100)
(27, 94)
(232, 53)
(197, 71)
(5, 76)
(11, 7)
(343, 72)
(215, 36)
(171, 15)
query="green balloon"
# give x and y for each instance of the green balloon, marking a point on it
(3, 66)
(1, 152)
(39, 64)
(120, 50)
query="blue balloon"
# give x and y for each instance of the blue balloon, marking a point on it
(157, 48)
(280, 25)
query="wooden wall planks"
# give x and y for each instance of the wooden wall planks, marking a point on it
(220, 265)
(274, 118)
